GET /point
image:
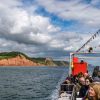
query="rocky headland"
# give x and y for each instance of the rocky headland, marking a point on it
(20, 59)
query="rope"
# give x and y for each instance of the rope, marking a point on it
(92, 37)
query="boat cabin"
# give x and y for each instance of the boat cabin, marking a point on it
(79, 66)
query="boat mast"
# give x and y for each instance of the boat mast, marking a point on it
(77, 51)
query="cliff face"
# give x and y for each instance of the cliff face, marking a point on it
(19, 60)
(50, 62)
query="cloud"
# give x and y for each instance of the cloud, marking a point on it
(19, 25)
(22, 29)
(74, 10)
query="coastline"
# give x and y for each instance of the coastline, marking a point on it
(19, 59)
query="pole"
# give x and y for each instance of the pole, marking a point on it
(70, 64)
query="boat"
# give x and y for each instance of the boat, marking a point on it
(67, 89)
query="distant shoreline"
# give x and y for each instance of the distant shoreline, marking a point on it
(19, 59)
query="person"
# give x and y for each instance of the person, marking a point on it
(87, 81)
(99, 73)
(81, 82)
(66, 81)
(84, 88)
(97, 77)
(80, 74)
(75, 79)
(93, 92)
(86, 75)
(95, 72)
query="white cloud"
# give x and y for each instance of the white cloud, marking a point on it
(10, 3)
(73, 10)
(23, 30)
(68, 48)
(18, 24)
(40, 38)
(21, 21)
(56, 43)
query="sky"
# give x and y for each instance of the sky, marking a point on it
(48, 28)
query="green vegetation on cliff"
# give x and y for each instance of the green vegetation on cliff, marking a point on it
(41, 61)
(7, 55)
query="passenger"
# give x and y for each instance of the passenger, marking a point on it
(86, 75)
(95, 72)
(68, 78)
(72, 78)
(91, 79)
(82, 61)
(93, 92)
(66, 81)
(80, 74)
(98, 73)
(84, 88)
(75, 79)
(87, 82)
(79, 84)
(97, 78)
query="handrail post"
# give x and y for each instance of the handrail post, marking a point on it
(70, 64)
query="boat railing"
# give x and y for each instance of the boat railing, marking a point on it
(66, 87)
(73, 94)
(66, 90)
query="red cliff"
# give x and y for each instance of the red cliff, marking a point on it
(19, 60)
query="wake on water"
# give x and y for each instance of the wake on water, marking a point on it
(55, 93)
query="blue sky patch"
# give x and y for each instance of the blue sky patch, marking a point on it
(55, 20)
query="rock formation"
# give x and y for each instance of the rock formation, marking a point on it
(19, 60)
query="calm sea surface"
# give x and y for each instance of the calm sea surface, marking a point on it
(31, 83)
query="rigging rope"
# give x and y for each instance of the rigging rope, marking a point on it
(92, 37)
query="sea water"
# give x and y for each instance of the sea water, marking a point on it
(31, 83)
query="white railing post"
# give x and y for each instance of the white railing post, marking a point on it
(70, 64)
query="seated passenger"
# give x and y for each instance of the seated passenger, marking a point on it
(75, 79)
(71, 78)
(66, 81)
(81, 82)
(80, 74)
(86, 75)
(95, 72)
(84, 88)
(97, 78)
(93, 92)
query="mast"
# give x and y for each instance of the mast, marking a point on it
(77, 51)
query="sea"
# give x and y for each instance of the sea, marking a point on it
(31, 83)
